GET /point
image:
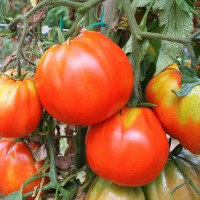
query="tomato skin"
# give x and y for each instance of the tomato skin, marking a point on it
(102, 189)
(129, 149)
(84, 80)
(159, 188)
(20, 108)
(17, 165)
(180, 116)
(171, 177)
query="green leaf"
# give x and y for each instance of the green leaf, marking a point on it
(188, 81)
(14, 196)
(56, 31)
(143, 47)
(174, 21)
(140, 3)
(185, 7)
(119, 4)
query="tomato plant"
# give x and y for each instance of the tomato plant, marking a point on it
(129, 149)
(17, 165)
(84, 80)
(179, 115)
(20, 107)
(160, 188)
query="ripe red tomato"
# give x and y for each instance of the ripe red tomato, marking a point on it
(180, 116)
(129, 149)
(17, 164)
(20, 108)
(84, 80)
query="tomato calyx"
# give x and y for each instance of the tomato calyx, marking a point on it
(14, 76)
(189, 80)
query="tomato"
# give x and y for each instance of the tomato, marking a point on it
(158, 189)
(180, 116)
(17, 164)
(20, 108)
(129, 149)
(102, 189)
(84, 80)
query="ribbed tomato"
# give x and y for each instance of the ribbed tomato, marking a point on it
(159, 189)
(17, 164)
(180, 116)
(129, 149)
(84, 80)
(20, 108)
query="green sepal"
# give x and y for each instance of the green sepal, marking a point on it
(189, 80)
(15, 195)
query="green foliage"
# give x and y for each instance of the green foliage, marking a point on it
(14, 195)
(176, 22)
(54, 15)
(188, 81)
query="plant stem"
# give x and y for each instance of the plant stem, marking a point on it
(28, 61)
(53, 171)
(185, 41)
(74, 26)
(88, 5)
(13, 25)
(143, 22)
(80, 147)
(19, 47)
(135, 32)
(150, 35)
(189, 180)
(194, 35)
(76, 5)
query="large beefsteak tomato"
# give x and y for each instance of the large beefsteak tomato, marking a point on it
(17, 164)
(20, 108)
(130, 148)
(180, 116)
(160, 188)
(84, 80)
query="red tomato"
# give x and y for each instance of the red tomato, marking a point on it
(17, 164)
(84, 80)
(180, 116)
(20, 108)
(129, 149)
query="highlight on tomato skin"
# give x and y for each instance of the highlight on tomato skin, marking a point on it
(84, 80)
(129, 149)
(179, 116)
(17, 165)
(20, 107)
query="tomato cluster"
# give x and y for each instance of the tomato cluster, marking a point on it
(21, 112)
(88, 80)
(160, 188)
(18, 165)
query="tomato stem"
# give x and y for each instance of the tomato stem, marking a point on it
(135, 34)
(80, 147)
(53, 171)
(20, 45)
